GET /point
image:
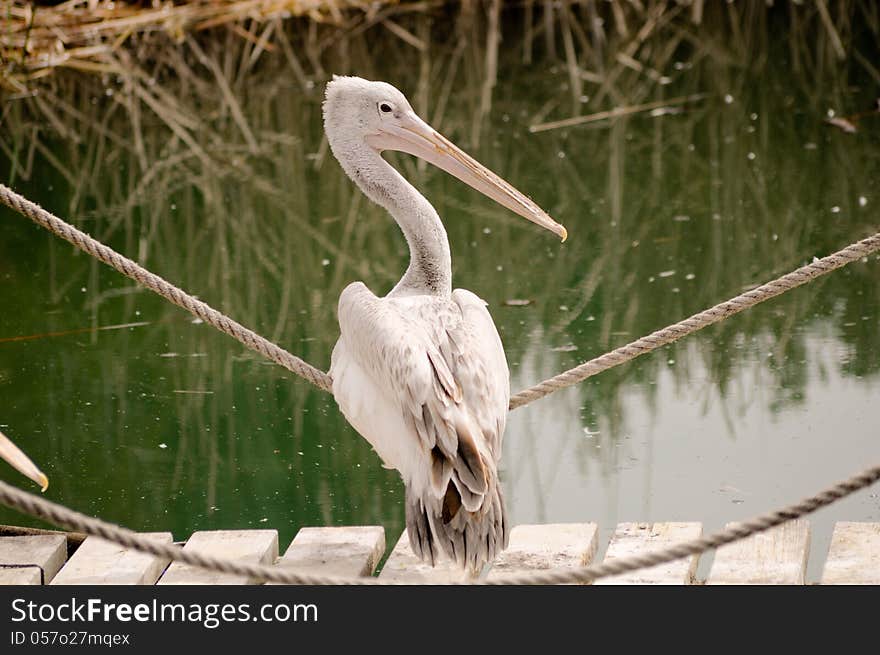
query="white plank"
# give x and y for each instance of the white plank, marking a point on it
(254, 546)
(777, 556)
(540, 547)
(404, 567)
(630, 539)
(98, 562)
(854, 555)
(46, 552)
(337, 551)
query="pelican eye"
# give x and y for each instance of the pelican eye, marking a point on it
(385, 108)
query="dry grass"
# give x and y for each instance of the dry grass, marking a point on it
(89, 34)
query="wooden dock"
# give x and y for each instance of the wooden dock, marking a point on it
(778, 556)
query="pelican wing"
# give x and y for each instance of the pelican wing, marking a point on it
(484, 376)
(441, 363)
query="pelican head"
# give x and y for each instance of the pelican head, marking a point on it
(359, 113)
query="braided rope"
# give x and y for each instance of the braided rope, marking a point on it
(323, 381)
(164, 288)
(62, 516)
(698, 321)
(728, 535)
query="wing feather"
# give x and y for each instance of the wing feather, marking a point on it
(441, 362)
(424, 379)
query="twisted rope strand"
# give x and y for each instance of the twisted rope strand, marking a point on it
(725, 536)
(62, 516)
(323, 381)
(164, 288)
(698, 321)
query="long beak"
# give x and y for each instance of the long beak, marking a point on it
(412, 135)
(21, 462)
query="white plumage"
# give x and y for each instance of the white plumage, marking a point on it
(421, 372)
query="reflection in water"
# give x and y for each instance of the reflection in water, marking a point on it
(170, 425)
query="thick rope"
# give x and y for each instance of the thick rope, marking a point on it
(164, 288)
(735, 532)
(323, 381)
(62, 516)
(698, 321)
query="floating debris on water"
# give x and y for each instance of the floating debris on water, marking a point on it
(665, 111)
(565, 349)
(842, 124)
(665, 273)
(517, 302)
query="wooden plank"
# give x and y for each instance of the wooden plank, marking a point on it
(541, 547)
(403, 567)
(98, 562)
(854, 555)
(777, 556)
(255, 546)
(41, 552)
(631, 539)
(339, 551)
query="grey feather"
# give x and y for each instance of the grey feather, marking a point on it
(441, 362)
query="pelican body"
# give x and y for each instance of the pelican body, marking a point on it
(421, 373)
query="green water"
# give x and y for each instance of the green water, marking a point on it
(167, 424)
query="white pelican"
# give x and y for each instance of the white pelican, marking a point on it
(421, 373)
(21, 462)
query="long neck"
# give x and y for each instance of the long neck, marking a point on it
(430, 264)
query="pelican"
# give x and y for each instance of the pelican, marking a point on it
(421, 373)
(21, 462)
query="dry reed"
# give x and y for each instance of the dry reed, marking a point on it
(88, 34)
